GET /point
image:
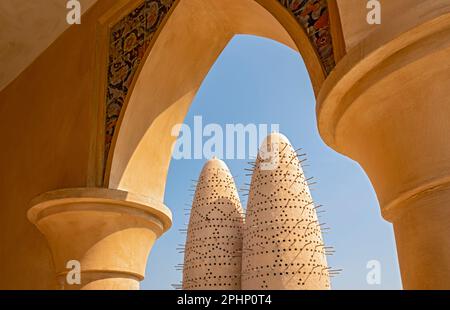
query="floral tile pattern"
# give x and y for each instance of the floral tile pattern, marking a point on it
(129, 40)
(314, 17)
(131, 36)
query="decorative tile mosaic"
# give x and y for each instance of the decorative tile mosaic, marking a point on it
(129, 40)
(314, 17)
(131, 36)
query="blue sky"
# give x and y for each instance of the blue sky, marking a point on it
(256, 80)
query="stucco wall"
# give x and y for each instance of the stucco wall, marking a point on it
(27, 28)
(46, 118)
(354, 12)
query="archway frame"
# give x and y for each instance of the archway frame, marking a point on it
(102, 166)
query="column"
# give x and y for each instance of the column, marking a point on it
(387, 106)
(109, 232)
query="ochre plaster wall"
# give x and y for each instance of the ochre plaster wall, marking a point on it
(47, 121)
(353, 15)
(24, 34)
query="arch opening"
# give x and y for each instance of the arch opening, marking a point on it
(191, 40)
(246, 98)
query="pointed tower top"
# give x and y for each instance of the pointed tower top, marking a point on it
(276, 136)
(281, 225)
(215, 163)
(214, 238)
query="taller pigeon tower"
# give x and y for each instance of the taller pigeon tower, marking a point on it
(282, 244)
(214, 237)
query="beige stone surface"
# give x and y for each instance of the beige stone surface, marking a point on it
(282, 246)
(214, 236)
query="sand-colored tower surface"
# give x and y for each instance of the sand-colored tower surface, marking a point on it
(214, 237)
(282, 244)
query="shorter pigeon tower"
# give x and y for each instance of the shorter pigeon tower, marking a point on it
(282, 244)
(214, 236)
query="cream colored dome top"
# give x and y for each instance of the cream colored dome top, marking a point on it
(215, 163)
(276, 137)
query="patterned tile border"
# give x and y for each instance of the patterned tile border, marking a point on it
(313, 16)
(129, 40)
(131, 36)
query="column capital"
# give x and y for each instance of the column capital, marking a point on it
(110, 232)
(387, 106)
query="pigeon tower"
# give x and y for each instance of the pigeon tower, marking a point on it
(282, 240)
(214, 236)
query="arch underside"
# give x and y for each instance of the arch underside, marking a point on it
(158, 57)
